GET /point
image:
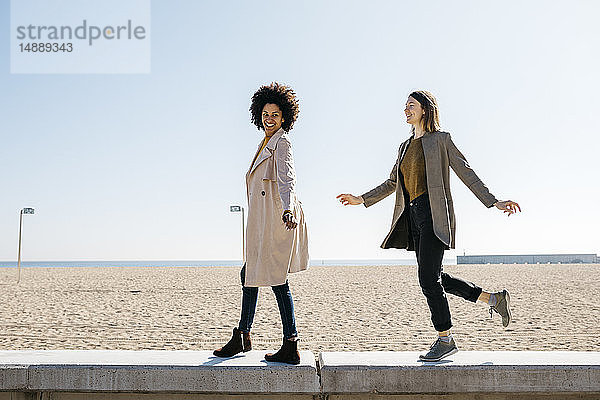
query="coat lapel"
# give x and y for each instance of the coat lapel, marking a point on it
(429, 147)
(267, 151)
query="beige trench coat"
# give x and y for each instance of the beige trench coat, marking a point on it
(271, 250)
(440, 154)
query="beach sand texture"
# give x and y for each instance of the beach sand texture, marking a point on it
(555, 307)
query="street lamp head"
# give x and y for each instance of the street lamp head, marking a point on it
(235, 208)
(27, 211)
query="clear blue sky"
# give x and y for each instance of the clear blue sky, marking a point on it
(146, 166)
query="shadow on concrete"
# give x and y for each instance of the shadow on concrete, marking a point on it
(431, 363)
(214, 360)
(278, 364)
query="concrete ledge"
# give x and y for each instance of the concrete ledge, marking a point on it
(13, 377)
(153, 371)
(164, 396)
(178, 375)
(464, 372)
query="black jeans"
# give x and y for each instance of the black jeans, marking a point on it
(433, 280)
(284, 302)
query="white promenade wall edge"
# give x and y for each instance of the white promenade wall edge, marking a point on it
(464, 372)
(154, 371)
(13, 377)
(349, 373)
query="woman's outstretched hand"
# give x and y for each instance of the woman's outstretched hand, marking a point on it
(509, 207)
(289, 220)
(348, 199)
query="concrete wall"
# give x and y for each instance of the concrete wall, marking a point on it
(472, 371)
(364, 396)
(153, 371)
(103, 375)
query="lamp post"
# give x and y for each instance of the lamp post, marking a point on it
(241, 209)
(23, 211)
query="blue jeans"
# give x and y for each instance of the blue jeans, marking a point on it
(284, 302)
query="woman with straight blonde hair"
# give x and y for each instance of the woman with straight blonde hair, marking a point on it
(423, 218)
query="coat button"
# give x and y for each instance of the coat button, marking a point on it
(263, 193)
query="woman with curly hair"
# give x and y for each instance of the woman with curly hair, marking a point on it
(277, 241)
(423, 218)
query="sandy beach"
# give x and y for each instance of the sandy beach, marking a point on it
(555, 307)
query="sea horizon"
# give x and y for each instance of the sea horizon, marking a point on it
(205, 263)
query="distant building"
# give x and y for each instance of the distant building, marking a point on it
(530, 259)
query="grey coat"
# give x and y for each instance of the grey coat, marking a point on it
(440, 154)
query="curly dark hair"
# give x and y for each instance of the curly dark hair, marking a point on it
(281, 95)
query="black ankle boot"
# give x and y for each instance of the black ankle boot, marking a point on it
(287, 354)
(235, 345)
(246, 341)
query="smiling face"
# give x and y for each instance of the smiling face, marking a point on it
(271, 118)
(414, 112)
